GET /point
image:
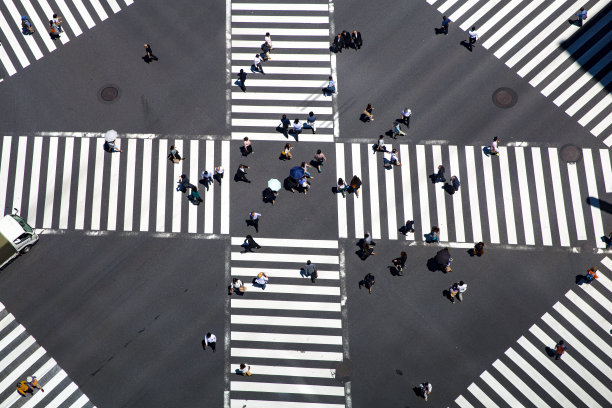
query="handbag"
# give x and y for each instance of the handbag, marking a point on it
(242, 289)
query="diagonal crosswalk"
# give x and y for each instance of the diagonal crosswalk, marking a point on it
(19, 50)
(567, 63)
(528, 375)
(525, 196)
(291, 332)
(20, 357)
(73, 183)
(298, 69)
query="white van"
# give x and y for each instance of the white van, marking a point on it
(16, 237)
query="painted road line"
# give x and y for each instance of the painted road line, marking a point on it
(446, 5)
(160, 221)
(29, 39)
(6, 61)
(84, 13)
(66, 181)
(10, 337)
(280, 7)
(474, 17)
(390, 196)
(274, 123)
(574, 87)
(357, 202)
(38, 24)
(130, 185)
(287, 388)
(286, 321)
(291, 243)
(239, 56)
(62, 396)
(283, 273)
(289, 371)
(521, 170)
(177, 197)
(583, 329)
(289, 83)
(481, 396)
(50, 384)
(558, 194)
(50, 189)
(194, 174)
(128, 2)
(115, 6)
(517, 18)
(22, 147)
(284, 305)
(440, 198)
(603, 125)
(500, 390)
(225, 188)
(209, 196)
(286, 338)
(507, 195)
(495, 20)
(576, 201)
(300, 110)
(590, 94)
(606, 283)
(462, 402)
(275, 19)
(25, 365)
(48, 12)
(290, 32)
(598, 297)
(145, 193)
(461, 10)
(341, 201)
(490, 194)
(295, 289)
(577, 345)
(457, 201)
(113, 189)
(278, 137)
(99, 9)
(6, 320)
(472, 178)
(596, 110)
(96, 205)
(81, 402)
(594, 195)
(423, 193)
(540, 185)
(280, 96)
(8, 33)
(294, 70)
(241, 403)
(286, 354)
(406, 187)
(79, 222)
(373, 193)
(520, 385)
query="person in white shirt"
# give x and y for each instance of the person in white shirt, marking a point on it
(462, 288)
(472, 37)
(57, 21)
(297, 126)
(425, 389)
(206, 179)
(257, 64)
(395, 158)
(219, 170)
(262, 280)
(341, 187)
(380, 145)
(254, 220)
(310, 122)
(268, 40)
(244, 370)
(331, 87)
(406, 113)
(210, 341)
(494, 150)
(235, 287)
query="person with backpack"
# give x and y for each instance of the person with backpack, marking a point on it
(455, 183)
(174, 156)
(559, 349)
(194, 196)
(54, 32)
(26, 26)
(582, 15)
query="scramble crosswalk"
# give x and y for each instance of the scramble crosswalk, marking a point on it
(18, 50)
(525, 196)
(73, 183)
(527, 376)
(20, 357)
(564, 62)
(291, 332)
(295, 75)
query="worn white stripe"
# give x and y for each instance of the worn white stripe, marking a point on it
(540, 185)
(462, 402)
(423, 193)
(583, 329)
(84, 13)
(209, 196)
(29, 39)
(390, 197)
(285, 354)
(96, 206)
(115, 6)
(598, 297)
(290, 32)
(293, 243)
(69, 19)
(6, 320)
(301, 110)
(558, 194)
(160, 222)
(130, 185)
(283, 273)
(406, 187)
(48, 12)
(194, 174)
(517, 19)
(128, 2)
(66, 181)
(481, 396)
(39, 25)
(521, 170)
(6, 61)
(305, 57)
(280, 96)
(280, 7)
(80, 403)
(287, 388)
(19, 173)
(16, 351)
(507, 194)
(602, 278)
(446, 5)
(82, 187)
(490, 194)
(308, 289)
(225, 188)
(596, 110)
(603, 125)
(476, 16)
(286, 321)
(589, 311)
(293, 70)
(520, 385)
(594, 194)
(284, 305)
(241, 403)
(373, 193)
(280, 19)
(286, 338)
(4, 169)
(461, 10)
(576, 201)
(289, 371)
(595, 89)
(50, 188)
(62, 396)
(145, 193)
(177, 196)
(576, 84)
(457, 200)
(494, 20)
(8, 33)
(288, 83)
(10, 337)
(472, 178)
(440, 195)
(357, 202)
(279, 137)
(99, 9)
(113, 188)
(276, 257)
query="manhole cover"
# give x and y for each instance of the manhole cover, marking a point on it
(109, 93)
(570, 153)
(343, 371)
(504, 98)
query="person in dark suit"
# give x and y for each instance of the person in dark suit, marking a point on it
(357, 41)
(338, 43)
(347, 39)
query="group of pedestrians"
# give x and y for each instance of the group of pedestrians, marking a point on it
(296, 127)
(55, 26)
(346, 40)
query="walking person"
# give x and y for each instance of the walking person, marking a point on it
(210, 340)
(409, 227)
(58, 22)
(194, 196)
(311, 122)
(219, 170)
(368, 114)
(331, 87)
(174, 156)
(366, 251)
(310, 270)
(434, 235)
(286, 152)
(582, 15)
(254, 220)
(400, 262)
(461, 288)
(338, 44)
(367, 239)
(244, 370)
(242, 79)
(261, 280)
(268, 40)
(455, 183)
(472, 38)
(380, 144)
(241, 173)
(368, 281)
(304, 185)
(284, 124)
(247, 147)
(425, 390)
(341, 187)
(28, 386)
(54, 32)
(347, 39)
(406, 114)
(357, 41)
(297, 127)
(319, 159)
(609, 241)
(444, 26)
(494, 149)
(591, 274)
(236, 287)
(249, 244)
(257, 64)
(183, 183)
(305, 166)
(559, 349)
(149, 56)
(440, 174)
(397, 131)
(266, 51)
(355, 185)
(479, 249)
(395, 158)
(26, 26)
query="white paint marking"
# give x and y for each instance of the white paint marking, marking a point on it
(79, 222)
(558, 194)
(490, 193)
(481, 396)
(440, 195)
(194, 174)
(277, 257)
(279, 7)
(225, 188)
(305, 372)
(99, 9)
(287, 388)
(285, 32)
(19, 174)
(406, 187)
(357, 202)
(472, 179)
(341, 201)
(286, 338)
(278, 137)
(495, 20)
(29, 39)
(283, 273)
(507, 194)
(241, 403)
(603, 125)
(574, 184)
(177, 196)
(582, 329)
(574, 88)
(145, 192)
(115, 6)
(520, 385)
(423, 194)
(390, 191)
(40, 26)
(113, 189)
(589, 311)
(48, 12)
(160, 222)
(595, 111)
(538, 175)
(462, 402)
(96, 205)
(130, 185)
(209, 196)
(4, 170)
(589, 169)
(457, 199)
(286, 321)
(289, 109)
(8, 33)
(84, 13)
(286, 20)
(306, 57)
(66, 182)
(500, 390)
(50, 189)
(285, 305)
(592, 93)
(476, 16)
(276, 96)
(374, 203)
(606, 169)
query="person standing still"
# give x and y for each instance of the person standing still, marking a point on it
(472, 38)
(150, 56)
(254, 220)
(210, 340)
(445, 22)
(242, 78)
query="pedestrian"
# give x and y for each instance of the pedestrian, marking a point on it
(368, 282)
(446, 268)
(338, 44)
(440, 174)
(479, 249)
(425, 390)
(310, 122)
(242, 79)
(400, 262)
(444, 26)
(406, 114)
(494, 150)
(26, 26)
(455, 183)
(257, 64)
(261, 280)
(305, 166)
(28, 386)
(266, 51)
(609, 241)
(366, 251)
(297, 127)
(582, 15)
(341, 187)
(268, 40)
(453, 290)
(269, 196)
(304, 185)
(559, 349)
(591, 274)
(182, 183)
(249, 243)
(461, 287)
(355, 185)
(174, 156)
(236, 287)
(194, 196)
(367, 114)
(409, 227)
(357, 41)
(346, 36)
(472, 37)
(434, 235)
(397, 131)
(53, 31)
(367, 239)
(286, 152)
(310, 270)
(210, 340)
(395, 158)
(58, 22)
(241, 173)
(219, 170)
(149, 56)
(331, 87)
(254, 220)
(244, 370)
(111, 147)
(247, 148)
(284, 124)
(380, 145)
(319, 159)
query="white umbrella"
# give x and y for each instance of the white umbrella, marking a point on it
(111, 135)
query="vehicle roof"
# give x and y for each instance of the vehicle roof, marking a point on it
(10, 228)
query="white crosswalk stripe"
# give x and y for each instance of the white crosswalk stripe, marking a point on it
(76, 184)
(20, 357)
(530, 36)
(580, 377)
(288, 322)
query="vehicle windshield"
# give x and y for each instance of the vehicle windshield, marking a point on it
(23, 224)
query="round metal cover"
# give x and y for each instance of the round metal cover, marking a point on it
(570, 153)
(504, 98)
(343, 371)
(109, 93)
